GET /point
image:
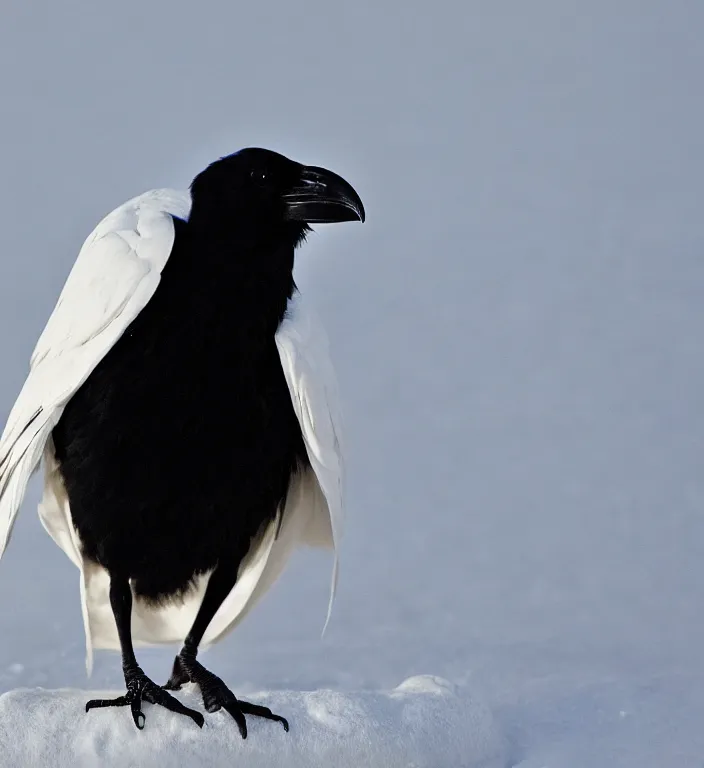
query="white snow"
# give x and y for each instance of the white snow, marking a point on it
(422, 723)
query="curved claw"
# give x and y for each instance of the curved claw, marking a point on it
(259, 711)
(233, 708)
(137, 714)
(197, 717)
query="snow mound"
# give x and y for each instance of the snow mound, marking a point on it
(423, 723)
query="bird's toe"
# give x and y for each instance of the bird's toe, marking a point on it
(216, 695)
(179, 676)
(140, 688)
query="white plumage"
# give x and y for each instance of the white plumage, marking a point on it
(117, 272)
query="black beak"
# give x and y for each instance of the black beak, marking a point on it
(322, 197)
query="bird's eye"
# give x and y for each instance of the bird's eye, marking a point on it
(259, 176)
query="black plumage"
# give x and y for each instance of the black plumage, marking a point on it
(182, 441)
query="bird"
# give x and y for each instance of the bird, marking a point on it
(183, 405)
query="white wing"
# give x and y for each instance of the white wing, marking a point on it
(115, 275)
(303, 348)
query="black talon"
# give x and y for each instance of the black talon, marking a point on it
(216, 695)
(141, 688)
(259, 711)
(236, 713)
(138, 715)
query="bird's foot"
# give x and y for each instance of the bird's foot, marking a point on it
(140, 688)
(216, 695)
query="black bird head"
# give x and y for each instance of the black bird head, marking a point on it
(263, 190)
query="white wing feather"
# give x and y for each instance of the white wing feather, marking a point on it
(117, 272)
(115, 275)
(305, 358)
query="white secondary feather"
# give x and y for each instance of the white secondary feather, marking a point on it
(117, 272)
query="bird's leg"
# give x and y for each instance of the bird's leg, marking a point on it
(139, 686)
(216, 695)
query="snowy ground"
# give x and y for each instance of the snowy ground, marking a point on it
(410, 725)
(517, 327)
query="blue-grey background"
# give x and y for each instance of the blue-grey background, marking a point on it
(517, 330)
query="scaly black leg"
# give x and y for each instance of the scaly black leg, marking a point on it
(216, 695)
(139, 686)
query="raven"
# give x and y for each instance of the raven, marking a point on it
(184, 404)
